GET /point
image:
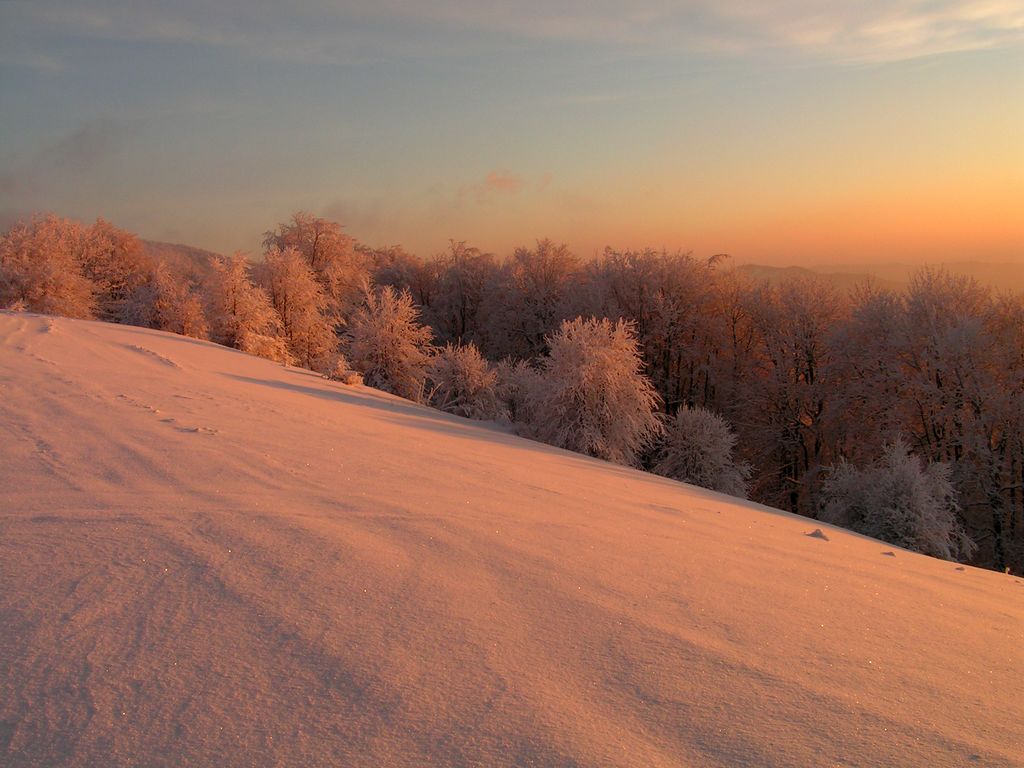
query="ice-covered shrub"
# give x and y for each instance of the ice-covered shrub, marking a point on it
(240, 312)
(898, 501)
(164, 302)
(697, 448)
(592, 396)
(301, 305)
(517, 379)
(41, 268)
(463, 382)
(388, 344)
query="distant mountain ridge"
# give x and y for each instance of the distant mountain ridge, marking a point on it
(194, 263)
(843, 281)
(1001, 277)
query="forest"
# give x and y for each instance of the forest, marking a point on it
(898, 414)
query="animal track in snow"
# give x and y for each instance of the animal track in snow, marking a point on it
(155, 355)
(193, 430)
(198, 430)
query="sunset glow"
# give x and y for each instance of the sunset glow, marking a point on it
(534, 383)
(790, 132)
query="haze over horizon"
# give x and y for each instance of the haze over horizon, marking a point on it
(792, 133)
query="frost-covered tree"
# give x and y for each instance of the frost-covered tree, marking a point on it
(942, 363)
(995, 426)
(787, 402)
(41, 268)
(340, 267)
(517, 381)
(697, 448)
(593, 397)
(116, 263)
(528, 298)
(871, 383)
(393, 265)
(670, 298)
(240, 312)
(388, 345)
(191, 317)
(463, 382)
(940, 344)
(301, 304)
(734, 355)
(164, 302)
(899, 501)
(463, 275)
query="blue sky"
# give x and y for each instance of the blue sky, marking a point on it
(787, 132)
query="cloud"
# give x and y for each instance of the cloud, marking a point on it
(496, 184)
(71, 155)
(33, 60)
(501, 182)
(359, 218)
(878, 31)
(867, 30)
(83, 148)
(13, 184)
(497, 190)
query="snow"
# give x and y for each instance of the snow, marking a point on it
(209, 559)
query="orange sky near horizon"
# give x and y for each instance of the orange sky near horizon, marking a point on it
(792, 132)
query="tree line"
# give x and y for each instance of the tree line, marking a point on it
(899, 414)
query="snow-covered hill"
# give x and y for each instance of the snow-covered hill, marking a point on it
(209, 559)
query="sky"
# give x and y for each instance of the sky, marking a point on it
(790, 132)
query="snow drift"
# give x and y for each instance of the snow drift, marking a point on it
(210, 559)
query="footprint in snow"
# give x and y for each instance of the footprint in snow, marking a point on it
(817, 533)
(155, 355)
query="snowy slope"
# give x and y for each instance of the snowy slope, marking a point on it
(209, 559)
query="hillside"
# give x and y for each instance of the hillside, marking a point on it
(210, 559)
(191, 263)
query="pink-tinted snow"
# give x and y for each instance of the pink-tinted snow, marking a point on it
(210, 559)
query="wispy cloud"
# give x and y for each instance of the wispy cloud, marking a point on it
(867, 30)
(360, 217)
(84, 147)
(499, 182)
(33, 60)
(879, 31)
(77, 152)
(496, 189)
